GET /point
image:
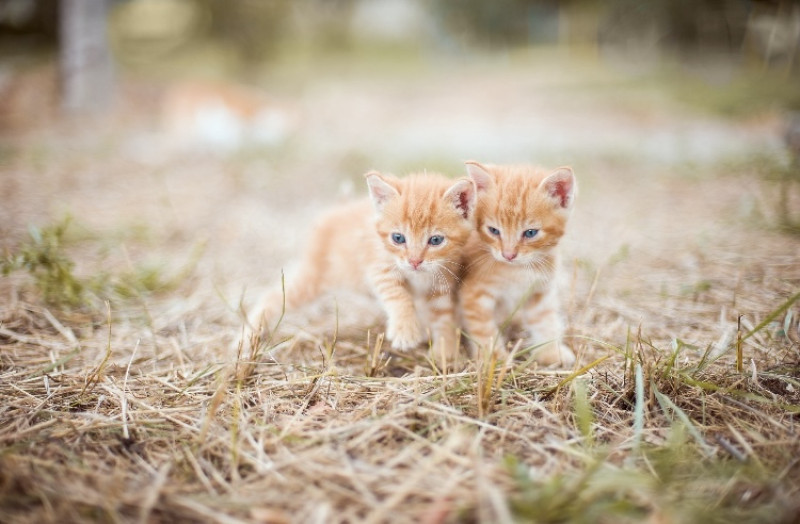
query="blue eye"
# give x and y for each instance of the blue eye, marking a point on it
(530, 233)
(494, 231)
(398, 238)
(436, 240)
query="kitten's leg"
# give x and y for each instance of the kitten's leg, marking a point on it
(477, 311)
(544, 328)
(403, 327)
(444, 330)
(305, 285)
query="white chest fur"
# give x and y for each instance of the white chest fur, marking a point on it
(517, 288)
(420, 282)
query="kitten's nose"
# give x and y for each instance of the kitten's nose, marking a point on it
(415, 262)
(509, 256)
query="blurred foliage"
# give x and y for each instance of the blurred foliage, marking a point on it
(673, 482)
(733, 57)
(684, 25)
(145, 30)
(747, 94)
(45, 257)
(779, 207)
(30, 18)
(761, 31)
(256, 28)
(253, 31)
(500, 23)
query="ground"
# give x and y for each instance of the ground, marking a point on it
(124, 396)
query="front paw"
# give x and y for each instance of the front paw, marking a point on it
(446, 347)
(405, 336)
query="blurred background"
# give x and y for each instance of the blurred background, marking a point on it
(731, 57)
(232, 122)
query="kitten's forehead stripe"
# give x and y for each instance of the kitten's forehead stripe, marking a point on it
(420, 211)
(516, 204)
(515, 201)
(419, 202)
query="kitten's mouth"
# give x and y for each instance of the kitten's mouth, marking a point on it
(515, 261)
(415, 266)
(502, 258)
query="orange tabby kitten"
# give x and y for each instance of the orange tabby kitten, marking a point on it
(222, 116)
(405, 247)
(512, 257)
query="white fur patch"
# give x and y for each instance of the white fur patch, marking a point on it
(421, 282)
(441, 302)
(487, 302)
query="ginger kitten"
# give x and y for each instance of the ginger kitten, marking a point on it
(512, 259)
(403, 245)
(222, 117)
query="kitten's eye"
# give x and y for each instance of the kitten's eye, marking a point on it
(530, 233)
(494, 231)
(398, 238)
(436, 240)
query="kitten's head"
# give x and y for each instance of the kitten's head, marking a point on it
(522, 211)
(423, 220)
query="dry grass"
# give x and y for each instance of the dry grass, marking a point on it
(138, 423)
(131, 405)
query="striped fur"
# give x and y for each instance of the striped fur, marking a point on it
(357, 247)
(509, 276)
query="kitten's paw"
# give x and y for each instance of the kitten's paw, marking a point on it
(446, 352)
(555, 353)
(405, 336)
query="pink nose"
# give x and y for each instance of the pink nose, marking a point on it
(509, 256)
(415, 262)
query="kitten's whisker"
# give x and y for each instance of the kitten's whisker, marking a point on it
(540, 268)
(455, 276)
(441, 280)
(453, 262)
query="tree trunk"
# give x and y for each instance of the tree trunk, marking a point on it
(87, 81)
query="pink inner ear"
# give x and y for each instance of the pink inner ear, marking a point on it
(479, 175)
(380, 191)
(463, 204)
(562, 190)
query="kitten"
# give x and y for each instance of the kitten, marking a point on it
(403, 245)
(512, 259)
(222, 117)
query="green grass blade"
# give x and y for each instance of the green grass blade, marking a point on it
(638, 409)
(668, 405)
(60, 362)
(569, 378)
(584, 417)
(786, 305)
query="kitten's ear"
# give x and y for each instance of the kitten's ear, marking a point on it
(480, 175)
(462, 196)
(560, 187)
(380, 190)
